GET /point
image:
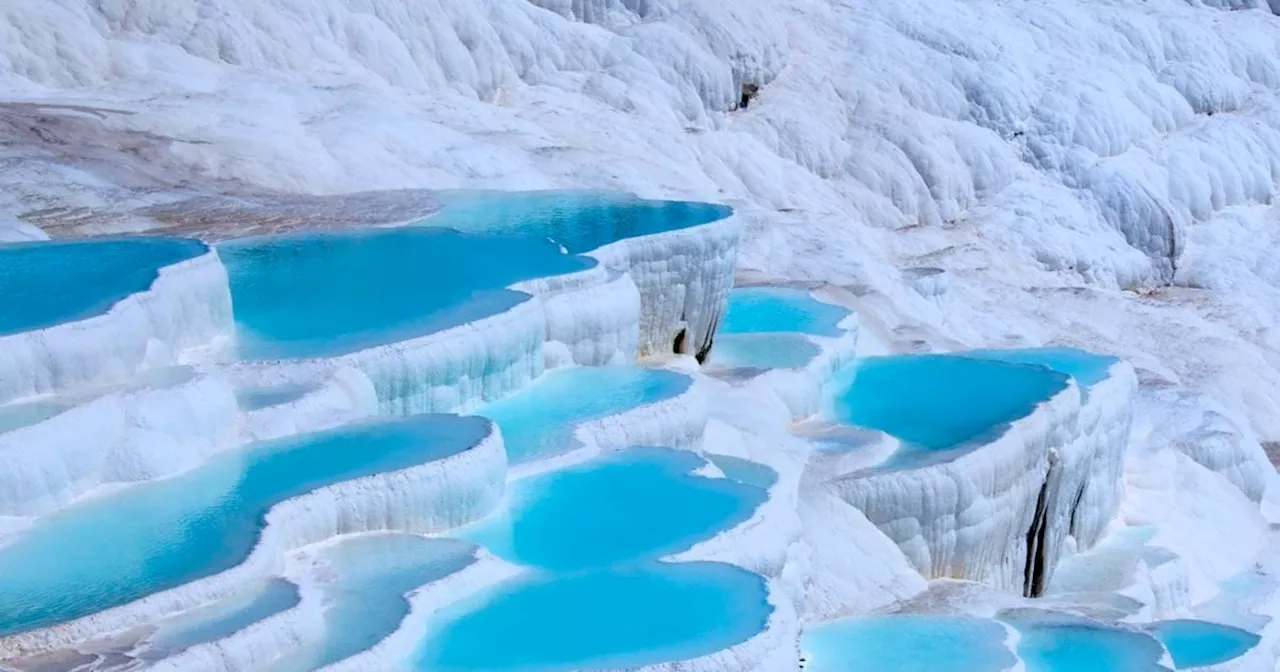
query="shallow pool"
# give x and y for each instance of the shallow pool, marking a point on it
(1088, 369)
(327, 293)
(166, 533)
(764, 351)
(17, 416)
(259, 398)
(1201, 643)
(939, 405)
(366, 600)
(640, 503)
(755, 310)
(48, 283)
(744, 471)
(1063, 643)
(908, 643)
(538, 421)
(581, 221)
(614, 618)
(222, 618)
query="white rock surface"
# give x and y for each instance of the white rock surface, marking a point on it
(146, 431)
(15, 231)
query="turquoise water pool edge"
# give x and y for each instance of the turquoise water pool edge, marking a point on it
(619, 617)
(172, 532)
(939, 406)
(47, 283)
(636, 504)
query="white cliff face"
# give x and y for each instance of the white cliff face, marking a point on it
(969, 517)
(684, 278)
(1006, 513)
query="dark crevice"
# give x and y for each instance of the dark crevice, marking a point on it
(1034, 574)
(1075, 507)
(705, 350)
(678, 347)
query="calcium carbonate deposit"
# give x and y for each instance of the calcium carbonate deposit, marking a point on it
(660, 335)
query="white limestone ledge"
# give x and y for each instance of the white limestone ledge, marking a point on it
(1092, 466)
(184, 317)
(592, 316)
(589, 317)
(802, 390)
(280, 401)
(969, 518)
(451, 370)
(1046, 488)
(684, 277)
(426, 498)
(675, 422)
(258, 644)
(165, 423)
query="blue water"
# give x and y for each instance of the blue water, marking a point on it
(225, 617)
(17, 416)
(1061, 643)
(255, 399)
(908, 643)
(329, 293)
(1088, 369)
(764, 351)
(1200, 643)
(640, 503)
(755, 310)
(940, 405)
(538, 421)
(745, 471)
(615, 618)
(47, 283)
(162, 534)
(366, 602)
(582, 221)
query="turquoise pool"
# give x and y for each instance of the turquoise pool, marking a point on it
(166, 533)
(939, 405)
(581, 221)
(1201, 643)
(755, 310)
(320, 294)
(48, 283)
(223, 618)
(1088, 369)
(1063, 643)
(764, 351)
(908, 643)
(538, 421)
(366, 601)
(614, 618)
(17, 416)
(641, 503)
